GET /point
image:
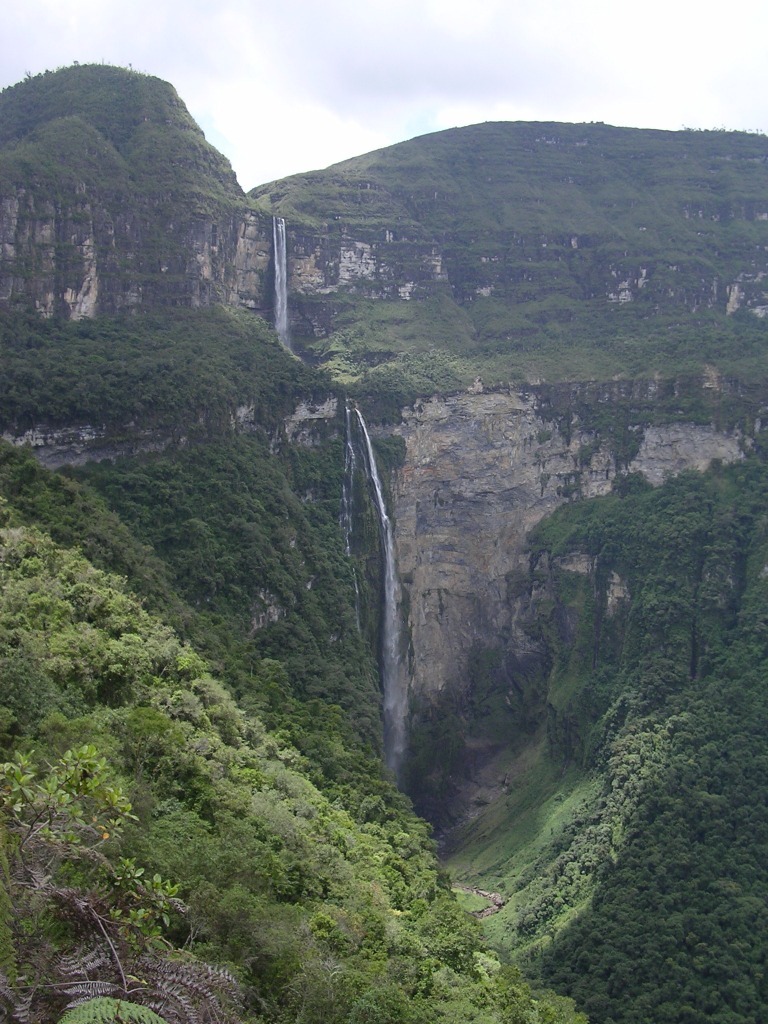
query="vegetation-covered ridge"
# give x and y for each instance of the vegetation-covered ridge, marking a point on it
(529, 251)
(136, 128)
(509, 251)
(416, 182)
(322, 909)
(185, 371)
(113, 201)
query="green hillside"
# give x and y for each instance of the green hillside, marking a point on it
(111, 128)
(565, 252)
(264, 839)
(312, 906)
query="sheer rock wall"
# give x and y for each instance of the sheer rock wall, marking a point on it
(480, 471)
(95, 254)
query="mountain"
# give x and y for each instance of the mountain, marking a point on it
(554, 337)
(114, 201)
(531, 251)
(196, 820)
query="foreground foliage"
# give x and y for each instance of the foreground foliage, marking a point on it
(322, 910)
(83, 930)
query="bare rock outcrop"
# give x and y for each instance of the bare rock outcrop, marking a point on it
(481, 470)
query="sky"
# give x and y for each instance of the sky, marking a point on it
(284, 86)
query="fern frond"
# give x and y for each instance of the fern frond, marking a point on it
(82, 991)
(84, 962)
(7, 996)
(187, 991)
(110, 1011)
(78, 904)
(22, 1010)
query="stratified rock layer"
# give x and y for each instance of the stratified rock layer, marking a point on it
(480, 471)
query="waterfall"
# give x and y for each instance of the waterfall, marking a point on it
(350, 468)
(395, 693)
(281, 282)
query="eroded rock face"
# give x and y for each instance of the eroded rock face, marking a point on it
(667, 451)
(54, 447)
(77, 444)
(324, 265)
(480, 471)
(252, 259)
(95, 254)
(308, 422)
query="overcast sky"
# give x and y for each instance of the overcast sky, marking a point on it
(282, 86)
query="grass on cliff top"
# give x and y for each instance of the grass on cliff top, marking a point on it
(115, 100)
(547, 178)
(407, 349)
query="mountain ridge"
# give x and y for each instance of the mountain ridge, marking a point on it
(522, 251)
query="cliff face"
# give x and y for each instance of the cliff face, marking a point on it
(54, 447)
(322, 264)
(93, 255)
(480, 471)
(326, 268)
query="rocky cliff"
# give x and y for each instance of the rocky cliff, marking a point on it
(480, 471)
(521, 225)
(54, 447)
(90, 256)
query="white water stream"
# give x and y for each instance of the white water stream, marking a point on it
(281, 282)
(395, 692)
(347, 497)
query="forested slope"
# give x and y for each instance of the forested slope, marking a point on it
(639, 889)
(675, 931)
(264, 837)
